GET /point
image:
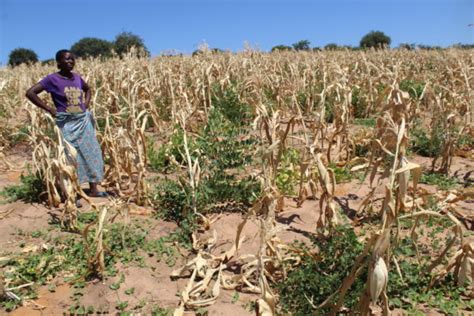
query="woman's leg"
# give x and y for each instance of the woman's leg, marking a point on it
(94, 192)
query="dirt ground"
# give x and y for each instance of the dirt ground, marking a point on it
(152, 282)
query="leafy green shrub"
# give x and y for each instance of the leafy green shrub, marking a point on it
(414, 88)
(427, 145)
(466, 140)
(30, 190)
(157, 159)
(318, 279)
(227, 103)
(223, 148)
(172, 200)
(288, 171)
(413, 291)
(160, 160)
(342, 174)
(358, 103)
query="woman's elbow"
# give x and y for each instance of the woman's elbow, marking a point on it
(28, 94)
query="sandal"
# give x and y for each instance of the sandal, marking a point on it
(100, 195)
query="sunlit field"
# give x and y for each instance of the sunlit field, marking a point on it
(273, 183)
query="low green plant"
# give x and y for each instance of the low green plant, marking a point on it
(368, 122)
(30, 190)
(160, 311)
(157, 159)
(227, 102)
(341, 174)
(427, 144)
(440, 180)
(224, 150)
(288, 172)
(358, 103)
(413, 87)
(317, 279)
(413, 290)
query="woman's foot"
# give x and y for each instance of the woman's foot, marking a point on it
(94, 191)
(98, 194)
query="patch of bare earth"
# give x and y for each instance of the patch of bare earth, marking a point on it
(151, 282)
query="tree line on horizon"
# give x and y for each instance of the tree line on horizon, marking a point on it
(124, 41)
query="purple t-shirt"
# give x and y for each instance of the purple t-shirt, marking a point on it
(65, 92)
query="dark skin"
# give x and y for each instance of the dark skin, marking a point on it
(65, 65)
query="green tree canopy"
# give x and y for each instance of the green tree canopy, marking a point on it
(281, 48)
(22, 56)
(92, 47)
(375, 39)
(406, 46)
(302, 45)
(331, 46)
(126, 40)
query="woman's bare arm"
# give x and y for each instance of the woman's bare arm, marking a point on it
(87, 91)
(32, 95)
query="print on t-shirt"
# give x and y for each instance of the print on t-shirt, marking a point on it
(73, 95)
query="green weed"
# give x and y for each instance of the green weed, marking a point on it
(427, 144)
(368, 122)
(414, 88)
(440, 180)
(318, 279)
(30, 190)
(288, 172)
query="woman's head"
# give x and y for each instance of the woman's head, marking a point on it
(65, 60)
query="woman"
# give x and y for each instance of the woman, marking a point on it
(71, 96)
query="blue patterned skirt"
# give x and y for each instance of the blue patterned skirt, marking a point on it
(78, 130)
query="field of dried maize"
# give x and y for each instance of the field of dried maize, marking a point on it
(217, 163)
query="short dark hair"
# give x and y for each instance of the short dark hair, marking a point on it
(60, 54)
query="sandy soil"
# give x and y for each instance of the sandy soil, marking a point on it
(152, 283)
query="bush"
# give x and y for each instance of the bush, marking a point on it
(92, 47)
(20, 56)
(414, 88)
(317, 279)
(30, 190)
(427, 145)
(358, 103)
(222, 148)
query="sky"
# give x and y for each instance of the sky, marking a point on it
(45, 26)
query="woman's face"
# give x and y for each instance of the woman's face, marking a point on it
(67, 62)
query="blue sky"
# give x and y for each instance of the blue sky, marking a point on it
(46, 26)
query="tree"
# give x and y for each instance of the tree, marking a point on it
(375, 39)
(22, 56)
(281, 48)
(92, 47)
(331, 46)
(406, 46)
(301, 45)
(126, 40)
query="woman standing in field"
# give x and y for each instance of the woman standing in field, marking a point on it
(71, 96)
